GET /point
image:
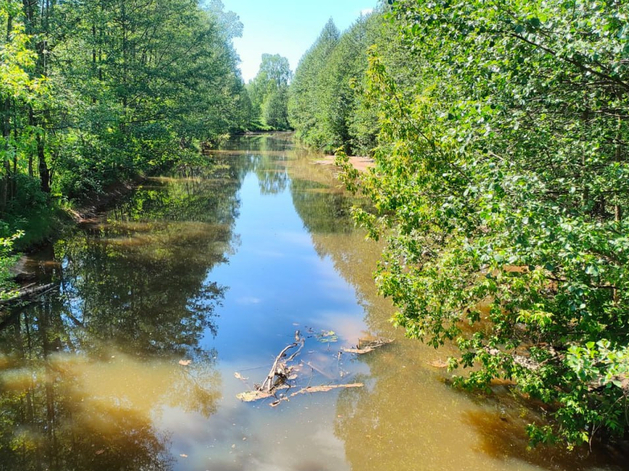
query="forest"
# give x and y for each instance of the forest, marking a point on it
(498, 129)
(94, 93)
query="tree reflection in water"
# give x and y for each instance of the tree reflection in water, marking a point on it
(85, 371)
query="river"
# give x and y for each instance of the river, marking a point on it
(180, 297)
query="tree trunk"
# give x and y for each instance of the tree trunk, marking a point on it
(44, 171)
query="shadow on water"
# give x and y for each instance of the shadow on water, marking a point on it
(502, 435)
(407, 419)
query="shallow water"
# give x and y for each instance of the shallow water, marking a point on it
(208, 272)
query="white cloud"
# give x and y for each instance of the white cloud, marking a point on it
(248, 300)
(366, 11)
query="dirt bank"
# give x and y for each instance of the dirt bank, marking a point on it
(97, 202)
(360, 163)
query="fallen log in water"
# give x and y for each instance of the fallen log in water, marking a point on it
(28, 293)
(326, 388)
(256, 395)
(368, 345)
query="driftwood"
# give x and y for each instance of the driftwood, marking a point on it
(326, 388)
(256, 395)
(368, 345)
(28, 293)
(280, 371)
(310, 390)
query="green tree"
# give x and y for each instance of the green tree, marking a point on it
(160, 75)
(94, 92)
(268, 92)
(306, 91)
(328, 104)
(501, 186)
(343, 120)
(21, 88)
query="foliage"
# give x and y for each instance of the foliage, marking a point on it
(95, 92)
(327, 104)
(339, 104)
(7, 261)
(304, 104)
(501, 187)
(268, 92)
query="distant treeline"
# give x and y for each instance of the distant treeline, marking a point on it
(326, 103)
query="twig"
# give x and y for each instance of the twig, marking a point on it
(278, 368)
(319, 370)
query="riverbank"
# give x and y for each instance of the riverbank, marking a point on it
(26, 278)
(360, 163)
(97, 202)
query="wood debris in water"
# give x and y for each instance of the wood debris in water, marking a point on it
(441, 364)
(368, 345)
(282, 372)
(252, 396)
(326, 388)
(28, 293)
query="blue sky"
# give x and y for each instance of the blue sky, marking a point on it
(287, 27)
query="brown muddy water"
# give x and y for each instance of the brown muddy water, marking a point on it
(130, 364)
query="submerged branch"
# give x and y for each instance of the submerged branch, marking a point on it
(280, 369)
(367, 346)
(28, 294)
(326, 388)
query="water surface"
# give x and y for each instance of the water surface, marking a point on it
(209, 271)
